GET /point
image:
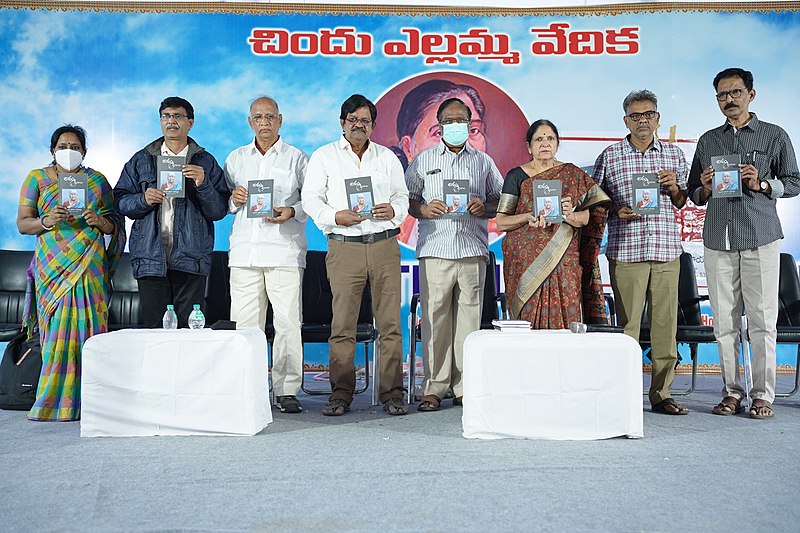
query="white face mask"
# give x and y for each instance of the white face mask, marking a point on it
(68, 159)
(455, 134)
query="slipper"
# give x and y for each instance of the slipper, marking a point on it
(728, 406)
(761, 411)
(336, 408)
(429, 402)
(458, 401)
(669, 407)
(395, 406)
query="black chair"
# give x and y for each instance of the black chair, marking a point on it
(218, 289)
(318, 314)
(13, 281)
(494, 307)
(691, 329)
(123, 307)
(789, 312)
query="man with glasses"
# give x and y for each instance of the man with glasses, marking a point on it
(452, 252)
(741, 237)
(644, 250)
(172, 238)
(268, 255)
(360, 250)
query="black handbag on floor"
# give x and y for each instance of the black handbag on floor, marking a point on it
(19, 372)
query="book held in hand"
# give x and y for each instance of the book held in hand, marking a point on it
(170, 175)
(73, 190)
(359, 195)
(547, 200)
(259, 198)
(646, 197)
(456, 197)
(727, 181)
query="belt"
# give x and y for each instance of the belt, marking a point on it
(365, 239)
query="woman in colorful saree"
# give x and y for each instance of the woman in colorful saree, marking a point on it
(69, 277)
(551, 272)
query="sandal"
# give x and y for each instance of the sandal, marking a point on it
(429, 402)
(669, 407)
(761, 411)
(395, 406)
(336, 408)
(728, 406)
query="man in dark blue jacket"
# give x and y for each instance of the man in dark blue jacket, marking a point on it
(172, 238)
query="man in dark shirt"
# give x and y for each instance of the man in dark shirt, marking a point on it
(742, 236)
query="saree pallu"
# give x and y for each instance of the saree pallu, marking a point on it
(552, 274)
(69, 284)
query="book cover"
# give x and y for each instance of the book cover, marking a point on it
(170, 175)
(73, 190)
(547, 200)
(456, 197)
(259, 198)
(646, 197)
(359, 195)
(727, 181)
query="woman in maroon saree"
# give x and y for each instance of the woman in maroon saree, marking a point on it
(551, 271)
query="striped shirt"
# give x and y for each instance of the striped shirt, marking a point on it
(750, 221)
(655, 237)
(453, 238)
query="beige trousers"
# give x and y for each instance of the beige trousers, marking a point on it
(657, 282)
(745, 280)
(451, 291)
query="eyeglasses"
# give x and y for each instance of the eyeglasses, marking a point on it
(264, 118)
(176, 116)
(733, 93)
(447, 121)
(649, 115)
(355, 120)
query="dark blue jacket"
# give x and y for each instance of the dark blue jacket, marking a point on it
(193, 225)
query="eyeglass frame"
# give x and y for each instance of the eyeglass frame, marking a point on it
(269, 117)
(363, 121)
(721, 97)
(168, 116)
(636, 117)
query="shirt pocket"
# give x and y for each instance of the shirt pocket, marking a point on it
(284, 183)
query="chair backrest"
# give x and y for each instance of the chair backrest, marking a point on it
(123, 306)
(689, 313)
(218, 289)
(318, 301)
(13, 265)
(788, 292)
(490, 311)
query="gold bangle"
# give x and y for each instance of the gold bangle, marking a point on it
(41, 221)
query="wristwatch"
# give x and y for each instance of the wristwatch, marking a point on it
(763, 185)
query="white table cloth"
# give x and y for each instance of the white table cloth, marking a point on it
(175, 382)
(552, 385)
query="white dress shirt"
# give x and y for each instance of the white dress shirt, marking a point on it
(254, 242)
(324, 193)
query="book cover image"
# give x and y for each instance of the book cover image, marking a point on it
(259, 198)
(646, 199)
(547, 200)
(727, 181)
(170, 175)
(456, 197)
(359, 195)
(72, 192)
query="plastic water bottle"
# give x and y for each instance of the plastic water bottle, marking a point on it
(196, 318)
(170, 320)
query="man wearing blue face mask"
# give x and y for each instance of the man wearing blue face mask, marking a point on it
(452, 252)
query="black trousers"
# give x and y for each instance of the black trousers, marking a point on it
(180, 289)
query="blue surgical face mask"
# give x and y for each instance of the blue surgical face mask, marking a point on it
(455, 134)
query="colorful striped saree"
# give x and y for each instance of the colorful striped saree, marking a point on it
(70, 277)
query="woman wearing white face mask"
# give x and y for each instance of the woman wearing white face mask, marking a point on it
(70, 303)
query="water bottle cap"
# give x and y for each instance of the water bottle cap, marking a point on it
(196, 306)
(170, 307)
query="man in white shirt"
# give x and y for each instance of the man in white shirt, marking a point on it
(268, 254)
(360, 250)
(452, 253)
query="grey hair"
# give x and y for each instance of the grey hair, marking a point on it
(639, 96)
(264, 97)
